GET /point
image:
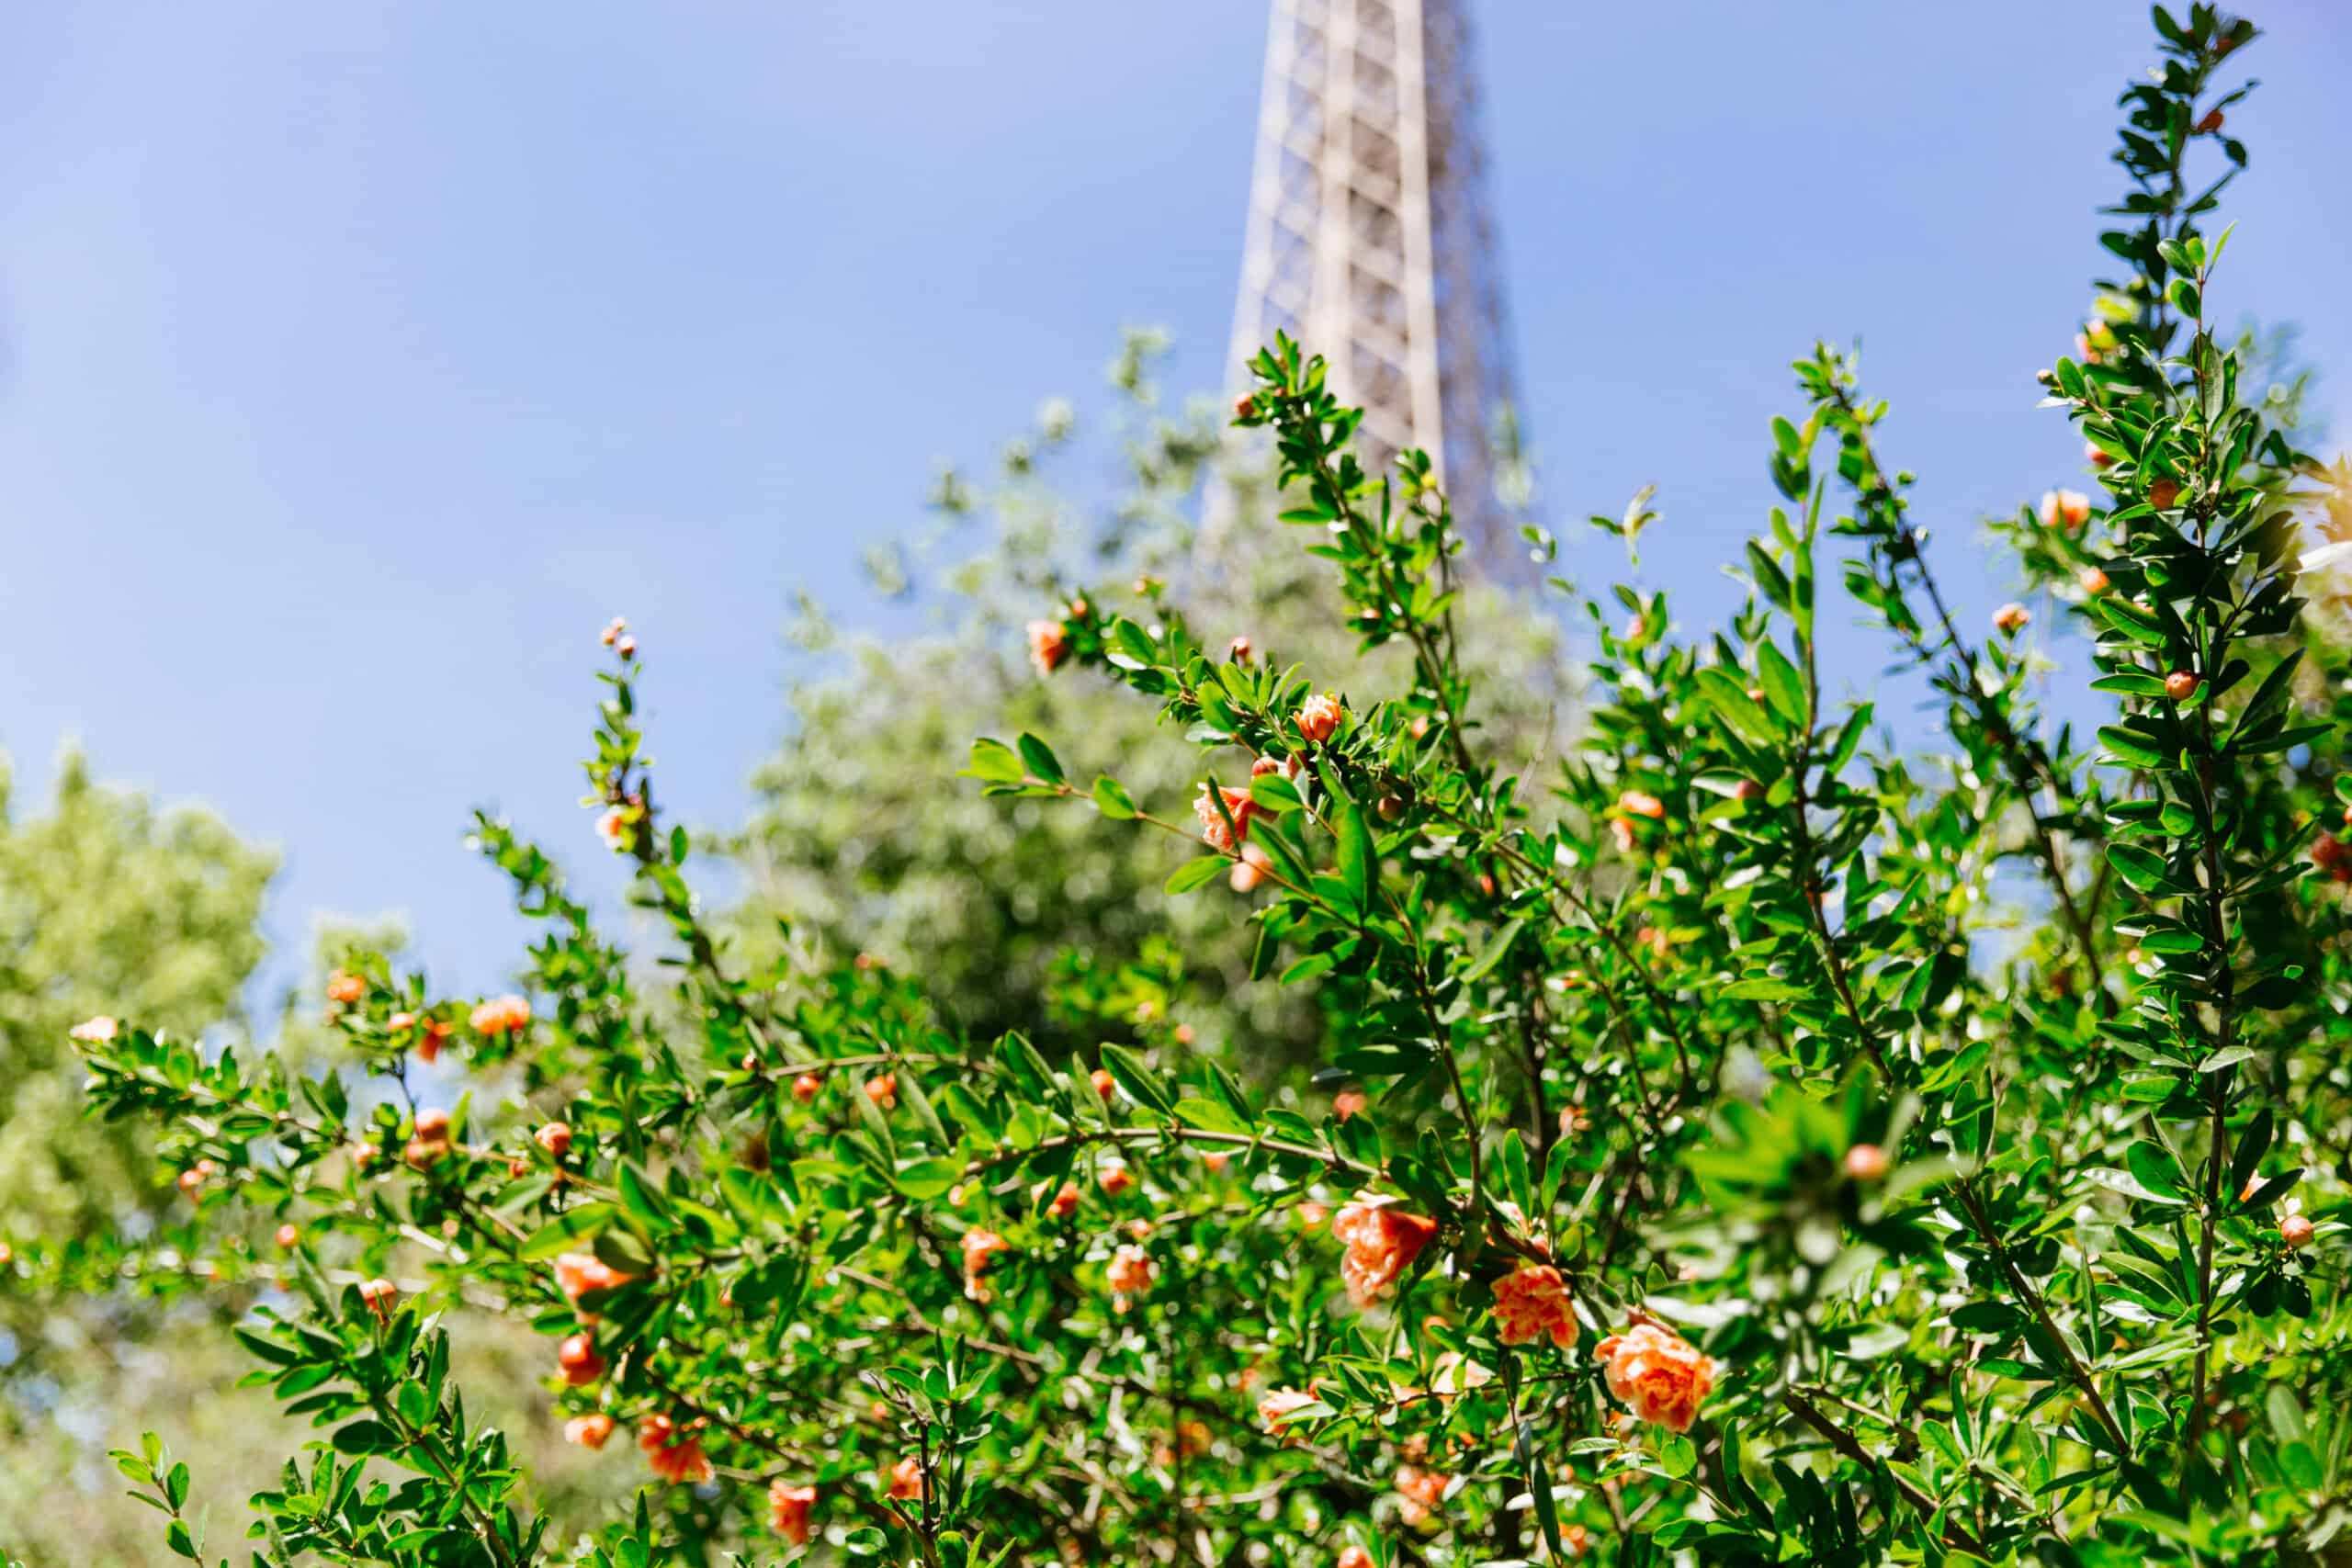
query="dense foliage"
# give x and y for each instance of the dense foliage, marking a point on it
(1749, 1144)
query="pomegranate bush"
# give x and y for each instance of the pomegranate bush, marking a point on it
(1754, 1143)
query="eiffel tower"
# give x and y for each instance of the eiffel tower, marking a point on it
(1369, 241)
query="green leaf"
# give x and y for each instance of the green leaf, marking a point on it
(2154, 1169)
(994, 761)
(2144, 869)
(1274, 793)
(1198, 871)
(1142, 1085)
(1112, 799)
(2131, 747)
(928, 1177)
(1782, 685)
(1040, 759)
(368, 1438)
(566, 1231)
(1494, 951)
(1210, 1116)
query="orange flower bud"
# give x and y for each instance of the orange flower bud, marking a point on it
(2010, 617)
(1116, 1178)
(2162, 493)
(1065, 1202)
(500, 1015)
(344, 990)
(2092, 581)
(1105, 1085)
(1319, 717)
(1049, 645)
(883, 1090)
(378, 1295)
(1348, 1101)
(806, 1088)
(287, 1236)
(906, 1479)
(577, 1356)
(2295, 1231)
(2181, 685)
(1238, 649)
(1352, 1556)
(556, 1138)
(2211, 123)
(1866, 1162)
(589, 1431)
(788, 1508)
(2064, 509)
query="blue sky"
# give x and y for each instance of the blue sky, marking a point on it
(357, 361)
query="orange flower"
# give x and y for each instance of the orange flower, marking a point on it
(1131, 1273)
(556, 1138)
(1532, 1302)
(788, 1510)
(1348, 1102)
(577, 1356)
(1641, 803)
(1353, 1556)
(1382, 1242)
(95, 1030)
(588, 1431)
(2010, 617)
(578, 1274)
(906, 1479)
(1422, 1490)
(1065, 1201)
(429, 1042)
(2064, 508)
(611, 825)
(1237, 806)
(1116, 1178)
(2332, 856)
(1278, 1408)
(1575, 1539)
(979, 1247)
(1319, 717)
(1217, 1160)
(1049, 645)
(1658, 1373)
(675, 1452)
(502, 1015)
(1866, 1162)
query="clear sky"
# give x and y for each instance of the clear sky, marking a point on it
(358, 360)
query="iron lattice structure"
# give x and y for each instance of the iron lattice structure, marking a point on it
(1369, 241)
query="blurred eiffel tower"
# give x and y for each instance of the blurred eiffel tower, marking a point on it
(1369, 241)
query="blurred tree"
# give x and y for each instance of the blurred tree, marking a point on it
(108, 904)
(858, 851)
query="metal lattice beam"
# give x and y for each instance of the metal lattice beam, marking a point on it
(1369, 241)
